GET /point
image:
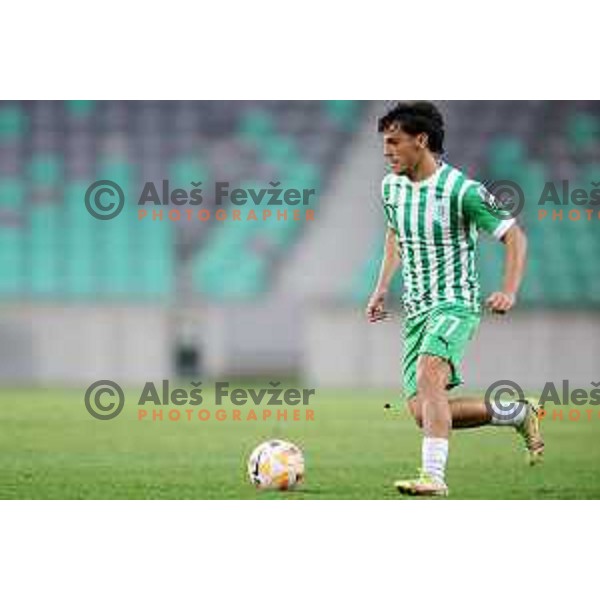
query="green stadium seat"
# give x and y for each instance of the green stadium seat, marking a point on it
(12, 193)
(11, 261)
(79, 276)
(342, 112)
(583, 130)
(249, 280)
(13, 122)
(185, 170)
(154, 278)
(80, 108)
(301, 175)
(362, 285)
(506, 157)
(117, 169)
(256, 125)
(532, 178)
(45, 240)
(279, 147)
(589, 173)
(532, 290)
(46, 170)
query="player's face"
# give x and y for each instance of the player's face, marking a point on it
(401, 150)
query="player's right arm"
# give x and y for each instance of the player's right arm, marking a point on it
(389, 265)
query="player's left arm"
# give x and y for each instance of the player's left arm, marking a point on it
(478, 207)
(515, 244)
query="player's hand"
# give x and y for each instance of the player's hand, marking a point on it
(376, 307)
(500, 302)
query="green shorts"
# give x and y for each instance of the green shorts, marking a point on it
(442, 331)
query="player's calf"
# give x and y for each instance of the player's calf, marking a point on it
(415, 410)
(431, 412)
(432, 398)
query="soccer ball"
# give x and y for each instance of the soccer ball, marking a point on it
(276, 465)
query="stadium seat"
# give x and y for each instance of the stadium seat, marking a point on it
(343, 112)
(13, 122)
(46, 170)
(80, 108)
(583, 129)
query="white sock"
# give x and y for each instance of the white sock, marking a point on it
(508, 413)
(434, 456)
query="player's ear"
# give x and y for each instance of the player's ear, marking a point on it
(422, 140)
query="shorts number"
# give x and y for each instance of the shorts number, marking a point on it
(453, 323)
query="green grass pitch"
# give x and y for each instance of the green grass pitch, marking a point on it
(50, 447)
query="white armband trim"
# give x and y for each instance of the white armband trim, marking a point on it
(503, 227)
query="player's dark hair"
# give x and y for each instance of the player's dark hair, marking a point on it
(415, 118)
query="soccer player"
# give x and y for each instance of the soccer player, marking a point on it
(433, 213)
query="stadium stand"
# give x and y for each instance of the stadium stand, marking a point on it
(50, 152)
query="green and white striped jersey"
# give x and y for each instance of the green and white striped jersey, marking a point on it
(437, 222)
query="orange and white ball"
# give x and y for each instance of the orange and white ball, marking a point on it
(276, 465)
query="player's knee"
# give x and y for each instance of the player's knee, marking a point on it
(431, 371)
